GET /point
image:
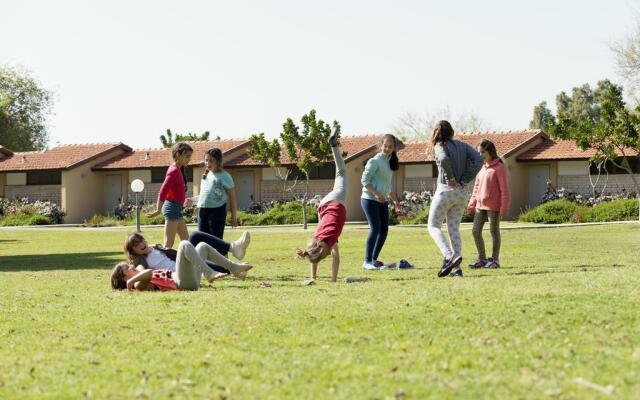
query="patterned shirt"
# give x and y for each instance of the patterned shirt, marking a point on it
(213, 189)
(162, 279)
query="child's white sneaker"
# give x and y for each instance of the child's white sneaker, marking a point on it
(239, 247)
(369, 266)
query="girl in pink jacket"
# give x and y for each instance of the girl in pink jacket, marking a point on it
(490, 200)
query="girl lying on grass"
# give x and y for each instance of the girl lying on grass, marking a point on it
(152, 268)
(333, 215)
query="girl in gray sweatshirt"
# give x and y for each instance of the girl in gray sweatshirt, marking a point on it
(458, 163)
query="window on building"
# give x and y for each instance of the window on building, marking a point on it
(612, 169)
(157, 174)
(321, 172)
(44, 177)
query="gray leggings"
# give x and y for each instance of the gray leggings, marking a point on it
(479, 219)
(339, 192)
(191, 264)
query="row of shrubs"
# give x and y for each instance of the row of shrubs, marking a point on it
(19, 212)
(559, 207)
(565, 211)
(272, 213)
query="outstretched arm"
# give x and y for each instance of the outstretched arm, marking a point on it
(335, 252)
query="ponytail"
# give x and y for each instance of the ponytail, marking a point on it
(394, 162)
(442, 132)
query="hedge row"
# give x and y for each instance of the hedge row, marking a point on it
(565, 211)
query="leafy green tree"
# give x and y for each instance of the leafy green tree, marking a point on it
(306, 146)
(542, 117)
(600, 120)
(269, 152)
(169, 140)
(24, 108)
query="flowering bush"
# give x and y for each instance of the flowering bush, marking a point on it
(557, 194)
(47, 209)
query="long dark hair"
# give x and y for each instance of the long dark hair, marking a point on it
(489, 147)
(394, 163)
(216, 154)
(442, 132)
(130, 242)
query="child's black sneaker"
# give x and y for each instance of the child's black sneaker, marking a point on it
(448, 266)
(491, 264)
(479, 263)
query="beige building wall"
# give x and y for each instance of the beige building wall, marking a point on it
(257, 180)
(197, 177)
(581, 184)
(416, 178)
(82, 190)
(272, 190)
(50, 193)
(518, 175)
(355, 168)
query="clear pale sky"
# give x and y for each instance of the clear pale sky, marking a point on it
(128, 70)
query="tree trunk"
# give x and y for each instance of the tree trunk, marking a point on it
(304, 201)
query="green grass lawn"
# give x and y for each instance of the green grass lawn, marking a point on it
(562, 314)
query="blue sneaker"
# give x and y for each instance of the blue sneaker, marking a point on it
(404, 264)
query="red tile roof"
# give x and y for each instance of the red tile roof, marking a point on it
(149, 158)
(561, 150)
(60, 157)
(506, 143)
(352, 145)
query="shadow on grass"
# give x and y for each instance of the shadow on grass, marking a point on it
(49, 262)
(9, 240)
(544, 272)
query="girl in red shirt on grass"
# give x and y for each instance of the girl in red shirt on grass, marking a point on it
(332, 215)
(172, 195)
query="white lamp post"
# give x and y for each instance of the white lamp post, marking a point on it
(137, 186)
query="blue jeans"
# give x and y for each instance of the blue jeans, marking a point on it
(212, 221)
(172, 211)
(218, 244)
(378, 216)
